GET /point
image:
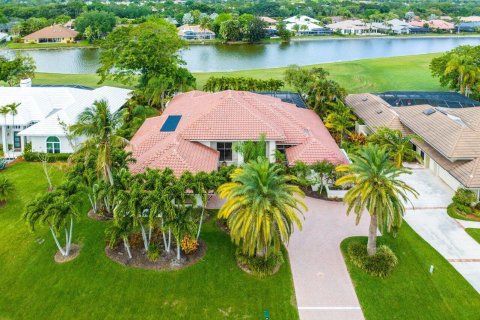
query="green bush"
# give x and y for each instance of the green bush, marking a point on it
(260, 266)
(464, 201)
(381, 264)
(153, 253)
(51, 157)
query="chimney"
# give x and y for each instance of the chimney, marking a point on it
(26, 83)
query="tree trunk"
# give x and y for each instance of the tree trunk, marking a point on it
(58, 243)
(200, 223)
(144, 236)
(178, 250)
(127, 247)
(169, 239)
(45, 170)
(109, 173)
(372, 235)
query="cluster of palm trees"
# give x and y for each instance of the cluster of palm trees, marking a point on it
(11, 108)
(215, 84)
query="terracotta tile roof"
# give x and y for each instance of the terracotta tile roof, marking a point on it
(55, 31)
(229, 116)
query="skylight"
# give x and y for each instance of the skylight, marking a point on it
(429, 111)
(170, 124)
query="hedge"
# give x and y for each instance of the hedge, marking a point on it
(381, 264)
(51, 157)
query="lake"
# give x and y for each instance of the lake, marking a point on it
(221, 57)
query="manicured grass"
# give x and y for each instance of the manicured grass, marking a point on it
(452, 212)
(24, 46)
(33, 286)
(474, 233)
(372, 75)
(411, 292)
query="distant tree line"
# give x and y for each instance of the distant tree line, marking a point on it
(215, 84)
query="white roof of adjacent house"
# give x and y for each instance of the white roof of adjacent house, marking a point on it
(3, 35)
(301, 20)
(52, 106)
(310, 26)
(348, 25)
(394, 24)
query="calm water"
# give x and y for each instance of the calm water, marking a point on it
(239, 57)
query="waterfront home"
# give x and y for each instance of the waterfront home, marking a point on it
(354, 27)
(268, 20)
(195, 32)
(395, 26)
(471, 26)
(470, 19)
(52, 34)
(305, 26)
(44, 111)
(435, 25)
(4, 37)
(198, 132)
(447, 123)
(172, 21)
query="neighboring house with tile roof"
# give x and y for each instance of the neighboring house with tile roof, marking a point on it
(352, 27)
(195, 32)
(198, 130)
(449, 141)
(435, 24)
(52, 34)
(43, 109)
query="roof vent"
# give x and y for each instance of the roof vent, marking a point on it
(429, 111)
(379, 111)
(306, 132)
(365, 99)
(457, 120)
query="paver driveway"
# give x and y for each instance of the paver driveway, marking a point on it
(322, 284)
(430, 220)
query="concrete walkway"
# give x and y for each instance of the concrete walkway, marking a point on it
(323, 286)
(429, 218)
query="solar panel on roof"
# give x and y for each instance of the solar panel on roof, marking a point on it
(170, 125)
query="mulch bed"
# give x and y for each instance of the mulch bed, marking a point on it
(98, 217)
(74, 252)
(166, 261)
(317, 195)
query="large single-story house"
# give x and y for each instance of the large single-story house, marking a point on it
(42, 111)
(306, 26)
(198, 131)
(56, 33)
(396, 26)
(447, 123)
(352, 27)
(435, 24)
(470, 19)
(472, 26)
(195, 32)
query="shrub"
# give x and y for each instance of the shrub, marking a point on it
(381, 264)
(189, 244)
(153, 252)
(260, 266)
(51, 157)
(464, 201)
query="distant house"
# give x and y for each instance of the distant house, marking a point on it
(351, 27)
(195, 32)
(70, 24)
(198, 131)
(472, 26)
(306, 26)
(470, 19)
(269, 20)
(395, 26)
(435, 25)
(4, 37)
(172, 21)
(52, 34)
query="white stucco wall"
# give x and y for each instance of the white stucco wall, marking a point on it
(39, 144)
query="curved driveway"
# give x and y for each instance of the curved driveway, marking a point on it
(323, 286)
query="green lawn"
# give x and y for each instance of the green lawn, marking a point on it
(474, 233)
(25, 46)
(33, 286)
(412, 292)
(373, 75)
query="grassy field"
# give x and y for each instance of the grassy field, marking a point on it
(474, 233)
(25, 46)
(412, 292)
(33, 286)
(372, 75)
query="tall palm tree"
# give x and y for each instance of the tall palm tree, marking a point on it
(13, 111)
(100, 126)
(376, 187)
(262, 207)
(4, 111)
(466, 70)
(399, 146)
(6, 189)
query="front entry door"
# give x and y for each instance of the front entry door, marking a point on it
(16, 140)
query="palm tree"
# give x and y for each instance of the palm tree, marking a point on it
(100, 127)
(4, 111)
(340, 119)
(262, 207)
(376, 187)
(399, 146)
(465, 68)
(6, 190)
(57, 211)
(156, 90)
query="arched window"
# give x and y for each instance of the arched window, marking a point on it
(53, 145)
